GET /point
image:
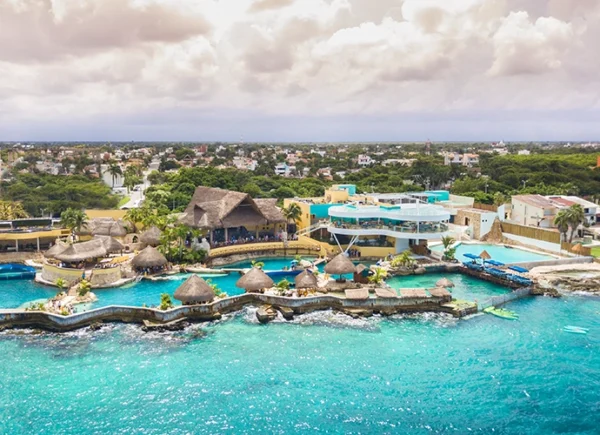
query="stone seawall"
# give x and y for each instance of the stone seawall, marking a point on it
(214, 310)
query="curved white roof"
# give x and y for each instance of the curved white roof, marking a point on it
(404, 212)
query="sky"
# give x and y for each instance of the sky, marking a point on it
(299, 70)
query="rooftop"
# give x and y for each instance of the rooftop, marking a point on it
(535, 200)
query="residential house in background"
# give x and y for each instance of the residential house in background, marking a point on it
(466, 159)
(533, 211)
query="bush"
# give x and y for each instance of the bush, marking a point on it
(84, 288)
(165, 302)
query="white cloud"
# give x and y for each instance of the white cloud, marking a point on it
(91, 58)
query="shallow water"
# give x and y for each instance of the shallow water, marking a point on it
(324, 372)
(497, 252)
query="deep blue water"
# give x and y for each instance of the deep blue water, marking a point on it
(323, 373)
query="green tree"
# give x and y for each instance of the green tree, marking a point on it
(292, 213)
(165, 302)
(10, 210)
(379, 275)
(114, 170)
(74, 220)
(576, 217)
(562, 223)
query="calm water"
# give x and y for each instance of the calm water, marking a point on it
(498, 253)
(323, 373)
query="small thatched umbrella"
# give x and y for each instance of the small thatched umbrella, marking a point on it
(306, 279)
(149, 257)
(194, 291)
(577, 249)
(444, 282)
(151, 236)
(340, 265)
(58, 247)
(255, 280)
(485, 256)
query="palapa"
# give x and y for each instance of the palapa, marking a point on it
(149, 257)
(339, 265)
(151, 236)
(306, 279)
(485, 256)
(440, 292)
(57, 248)
(194, 291)
(77, 252)
(107, 227)
(444, 282)
(255, 280)
(110, 243)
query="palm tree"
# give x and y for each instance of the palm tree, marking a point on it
(135, 216)
(10, 210)
(447, 241)
(293, 213)
(562, 223)
(74, 220)
(404, 259)
(576, 217)
(379, 275)
(114, 170)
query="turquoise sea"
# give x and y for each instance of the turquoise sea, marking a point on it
(323, 373)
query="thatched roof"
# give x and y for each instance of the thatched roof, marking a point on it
(444, 282)
(194, 290)
(76, 252)
(359, 294)
(484, 255)
(340, 265)
(151, 236)
(440, 292)
(212, 208)
(149, 257)
(412, 293)
(111, 244)
(306, 279)
(254, 280)
(104, 227)
(58, 247)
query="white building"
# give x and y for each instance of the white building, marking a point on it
(364, 160)
(466, 159)
(524, 152)
(283, 170)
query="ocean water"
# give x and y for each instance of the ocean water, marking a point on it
(497, 252)
(323, 373)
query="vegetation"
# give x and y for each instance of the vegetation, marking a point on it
(284, 284)
(379, 275)
(404, 260)
(84, 287)
(10, 210)
(258, 264)
(115, 171)
(165, 302)
(60, 283)
(449, 252)
(74, 220)
(292, 213)
(218, 292)
(173, 245)
(45, 194)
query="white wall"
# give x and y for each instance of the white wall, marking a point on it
(487, 220)
(533, 243)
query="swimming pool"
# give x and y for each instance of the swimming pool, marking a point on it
(497, 252)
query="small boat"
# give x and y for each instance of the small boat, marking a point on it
(502, 313)
(575, 329)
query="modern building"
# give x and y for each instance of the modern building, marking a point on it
(364, 160)
(533, 211)
(466, 159)
(590, 209)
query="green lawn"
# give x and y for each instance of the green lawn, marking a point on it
(596, 251)
(123, 201)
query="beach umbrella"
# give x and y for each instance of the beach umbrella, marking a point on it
(444, 282)
(578, 249)
(149, 257)
(305, 279)
(151, 236)
(340, 265)
(484, 255)
(255, 280)
(194, 291)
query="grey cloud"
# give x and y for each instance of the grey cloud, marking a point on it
(35, 34)
(265, 5)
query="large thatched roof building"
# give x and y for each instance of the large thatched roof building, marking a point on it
(151, 236)
(96, 248)
(212, 209)
(255, 280)
(104, 227)
(194, 291)
(149, 257)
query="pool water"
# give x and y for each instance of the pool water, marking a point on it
(322, 373)
(465, 287)
(497, 252)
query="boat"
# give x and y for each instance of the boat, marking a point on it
(575, 329)
(502, 313)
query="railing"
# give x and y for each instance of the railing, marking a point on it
(313, 227)
(257, 247)
(496, 301)
(422, 229)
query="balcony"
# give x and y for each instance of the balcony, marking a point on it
(424, 230)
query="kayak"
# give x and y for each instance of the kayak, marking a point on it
(502, 313)
(575, 329)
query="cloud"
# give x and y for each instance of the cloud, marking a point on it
(134, 59)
